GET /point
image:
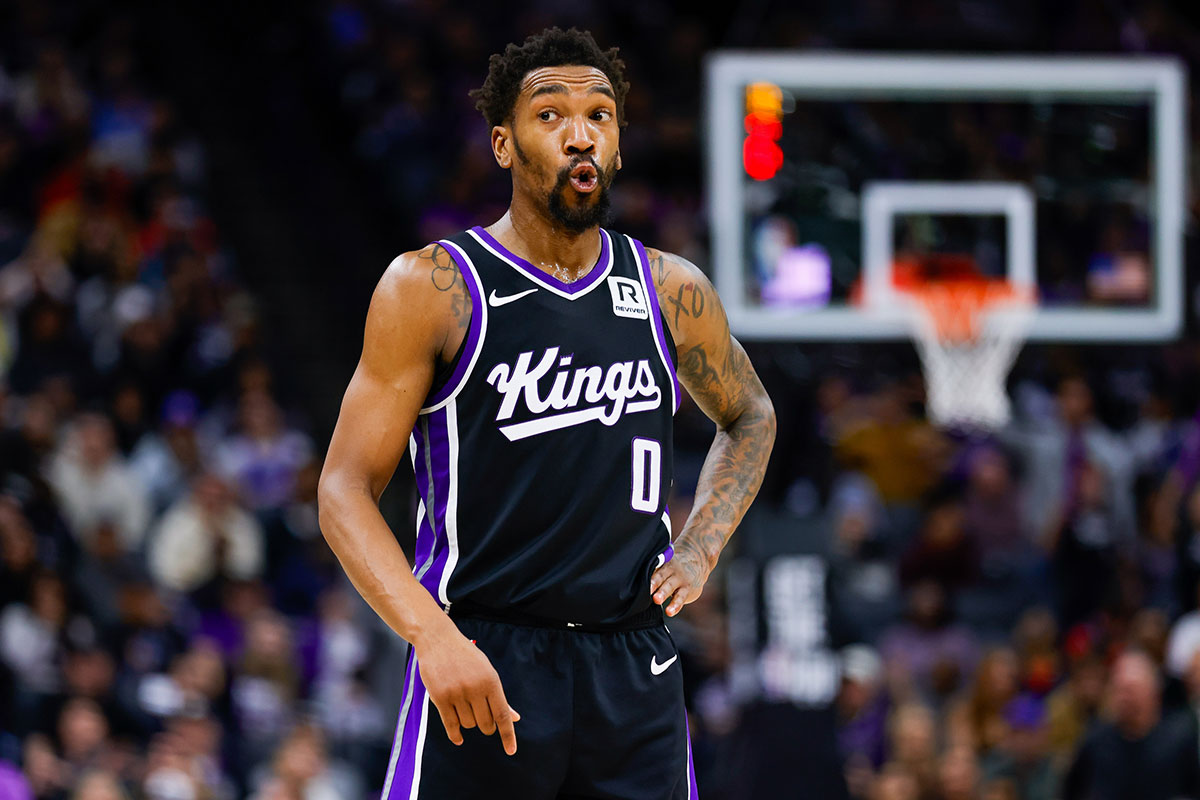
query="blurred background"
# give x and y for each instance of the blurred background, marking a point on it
(196, 200)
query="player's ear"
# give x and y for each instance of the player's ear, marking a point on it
(502, 146)
(618, 159)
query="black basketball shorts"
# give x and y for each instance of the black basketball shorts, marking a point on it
(602, 716)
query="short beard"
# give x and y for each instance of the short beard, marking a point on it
(579, 219)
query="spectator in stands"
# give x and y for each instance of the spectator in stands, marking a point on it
(89, 673)
(1191, 685)
(300, 565)
(264, 457)
(958, 774)
(148, 636)
(168, 460)
(1022, 757)
(206, 536)
(1056, 457)
(27, 445)
(978, 720)
(301, 768)
(31, 637)
(1184, 641)
(83, 733)
(896, 783)
(199, 741)
(192, 686)
(1073, 707)
(39, 270)
(1035, 640)
(912, 737)
(170, 774)
(145, 357)
(942, 552)
(49, 776)
(861, 559)
(18, 553)
(99, 785)
(1087, 546)
(928, 652)
(49, 347)
(1177, 513)
(95, 485)
(862, 707)
(992, 511)
(50, 97)
(902, 454)
(265, 686)
(1141, 754)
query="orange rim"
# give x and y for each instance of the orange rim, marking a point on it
(956, 306)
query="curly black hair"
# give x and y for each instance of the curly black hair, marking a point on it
(553, 47)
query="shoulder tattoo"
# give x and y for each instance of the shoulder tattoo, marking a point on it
(446, 277)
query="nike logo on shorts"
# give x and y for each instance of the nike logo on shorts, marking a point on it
(657, 668)
(495, 301)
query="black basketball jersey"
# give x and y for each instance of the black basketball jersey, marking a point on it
(544, 461)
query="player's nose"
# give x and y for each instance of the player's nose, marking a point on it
(578, 137)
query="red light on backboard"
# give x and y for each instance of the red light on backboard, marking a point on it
(761, 155)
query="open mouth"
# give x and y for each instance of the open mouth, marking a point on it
(584, 178)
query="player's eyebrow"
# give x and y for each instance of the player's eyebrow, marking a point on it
(549, 88)
(558, 88)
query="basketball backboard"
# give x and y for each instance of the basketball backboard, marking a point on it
(828, 175)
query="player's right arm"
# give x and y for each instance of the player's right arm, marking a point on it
(419, 313)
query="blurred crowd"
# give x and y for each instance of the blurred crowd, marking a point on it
(1016, 617)
(171, 622)
(1017, 614)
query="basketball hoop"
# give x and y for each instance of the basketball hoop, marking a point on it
(968, 332)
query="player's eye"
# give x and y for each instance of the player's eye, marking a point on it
(546, 116)
(602, 113)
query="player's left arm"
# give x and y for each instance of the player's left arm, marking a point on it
(714, 369)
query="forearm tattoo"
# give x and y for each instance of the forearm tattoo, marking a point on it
(723, 383)
(733, 470)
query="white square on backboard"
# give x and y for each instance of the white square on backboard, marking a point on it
(883, 200)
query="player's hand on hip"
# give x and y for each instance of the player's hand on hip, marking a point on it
(679, 581)
(465, 688)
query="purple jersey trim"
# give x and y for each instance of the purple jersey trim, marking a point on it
(431, 467)
(656, 315)
(693, 792)
(579, 286)
(409, 740)
(475, 331)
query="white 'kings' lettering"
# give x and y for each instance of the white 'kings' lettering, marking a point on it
(625, 387)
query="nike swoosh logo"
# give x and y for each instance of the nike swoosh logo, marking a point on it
(657, 668)
(495, 301)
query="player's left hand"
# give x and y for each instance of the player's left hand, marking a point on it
(681, 580)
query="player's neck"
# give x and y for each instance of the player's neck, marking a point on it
(565, 254)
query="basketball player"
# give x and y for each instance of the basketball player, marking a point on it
(531, 369)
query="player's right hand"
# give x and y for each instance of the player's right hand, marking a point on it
(465, 688)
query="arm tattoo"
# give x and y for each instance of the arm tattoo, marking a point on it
(733, 470)
(658, 267)
(719, 376)
(688, 300)
(446, 277)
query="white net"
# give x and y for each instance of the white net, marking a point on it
(968, 342)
